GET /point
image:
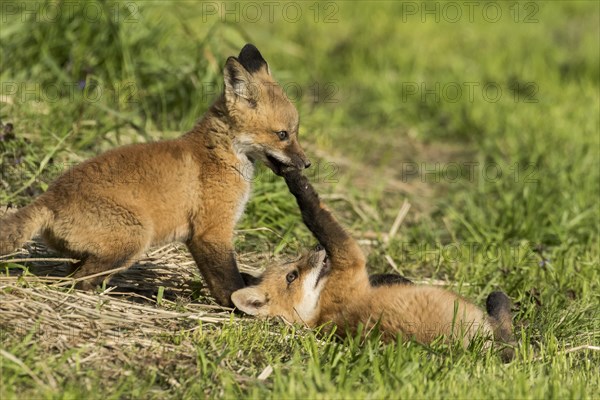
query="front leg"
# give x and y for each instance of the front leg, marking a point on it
(216, 261)
(340, 246)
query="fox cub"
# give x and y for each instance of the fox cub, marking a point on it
(110, 209)
(330, 284)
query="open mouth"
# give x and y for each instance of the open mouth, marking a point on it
(275, 165)
(325, 266)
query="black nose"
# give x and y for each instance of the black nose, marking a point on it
(318, 247)
(307, 163)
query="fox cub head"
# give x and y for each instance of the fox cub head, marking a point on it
(264, 120)
(291, 290)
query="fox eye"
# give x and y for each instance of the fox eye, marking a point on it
(283, 135)
(291, 277)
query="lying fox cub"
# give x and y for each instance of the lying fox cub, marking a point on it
(330, 284)
(109, 210)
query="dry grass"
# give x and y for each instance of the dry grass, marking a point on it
(159, 294)
(149, 319)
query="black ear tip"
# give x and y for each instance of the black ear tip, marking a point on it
(230, 64)
(249, 50)
(251, 58)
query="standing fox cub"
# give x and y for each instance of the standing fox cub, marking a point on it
(110, 209)
(330, 284)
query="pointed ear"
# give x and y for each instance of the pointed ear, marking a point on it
(238, 82)
(251, 300)
(252, 60)
(251, 280)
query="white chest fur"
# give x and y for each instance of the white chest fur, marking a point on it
(311, 292)
(246, 169)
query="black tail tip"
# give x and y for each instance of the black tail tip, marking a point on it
(496, 303)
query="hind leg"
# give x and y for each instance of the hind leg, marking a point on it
(388, 279)
(97, 269)
(104, 237)
(107, 255)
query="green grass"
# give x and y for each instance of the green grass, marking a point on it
(533, 231)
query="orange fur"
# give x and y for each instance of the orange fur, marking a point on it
(109, 210)
(346, 298)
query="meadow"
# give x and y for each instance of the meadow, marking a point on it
(473, 125)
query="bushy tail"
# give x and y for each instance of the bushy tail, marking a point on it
(21, 226)
(498, 307)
